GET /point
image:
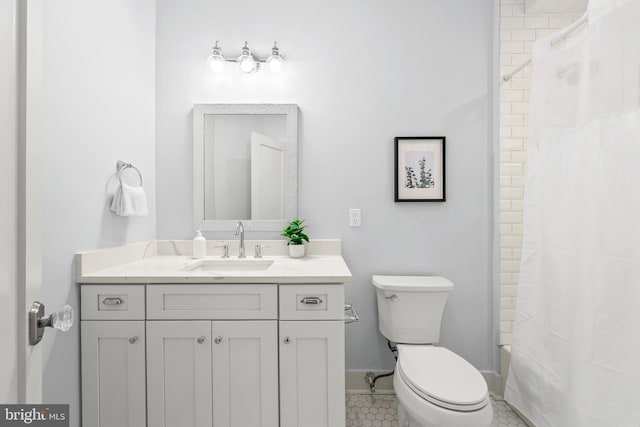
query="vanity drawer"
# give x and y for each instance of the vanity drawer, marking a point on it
(237, 301)
(112, 302)
(312, 302)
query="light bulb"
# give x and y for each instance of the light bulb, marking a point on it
(216, 61)
(245, 61)
(215, 64)
(275, 64)
(275, 61)
(247, 65)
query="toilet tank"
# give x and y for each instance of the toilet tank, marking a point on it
(410, 307)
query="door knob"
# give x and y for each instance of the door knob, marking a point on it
(61, 320)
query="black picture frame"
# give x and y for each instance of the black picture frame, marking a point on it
(419, 170)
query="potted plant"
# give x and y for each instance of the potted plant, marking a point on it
(295, 233)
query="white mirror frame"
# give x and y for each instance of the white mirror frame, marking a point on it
(291, 165)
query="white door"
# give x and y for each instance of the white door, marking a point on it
(312, 383)
(179, 374)
(245, 373)
(267, 177)
(20, 247)
(113, 373)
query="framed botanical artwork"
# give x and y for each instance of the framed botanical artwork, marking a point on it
(419, 169)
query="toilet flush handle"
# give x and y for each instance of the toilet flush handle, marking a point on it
(393, 297)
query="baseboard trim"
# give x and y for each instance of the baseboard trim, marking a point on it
(356, 383)
(494, 382)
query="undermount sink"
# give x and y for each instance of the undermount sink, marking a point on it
(229, 265)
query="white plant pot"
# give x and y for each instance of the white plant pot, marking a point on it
(296, 251)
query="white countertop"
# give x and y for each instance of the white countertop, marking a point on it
(145, 262)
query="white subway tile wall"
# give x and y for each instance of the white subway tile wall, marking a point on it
(518, 31)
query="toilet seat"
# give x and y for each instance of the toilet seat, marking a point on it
(442, 377)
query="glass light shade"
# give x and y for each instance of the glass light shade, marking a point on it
(245, 61)
(247, 64)
(275, 61)
(216, 63)
(275, 64)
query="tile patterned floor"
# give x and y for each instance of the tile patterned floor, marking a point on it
(379, 410)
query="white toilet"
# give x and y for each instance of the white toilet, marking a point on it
(435, 386)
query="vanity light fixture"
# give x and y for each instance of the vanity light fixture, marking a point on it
(247, 62)
(275, 61)
(216, 61)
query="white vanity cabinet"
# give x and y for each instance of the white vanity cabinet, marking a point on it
(179, 391)
(221, 370)
(113, 356)
(225, 372)
(222, 355)
(312, 366)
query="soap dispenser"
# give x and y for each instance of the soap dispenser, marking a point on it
(199, 245)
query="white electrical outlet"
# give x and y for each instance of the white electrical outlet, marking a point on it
(355, 218)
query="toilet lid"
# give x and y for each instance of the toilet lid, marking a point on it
(442, 377)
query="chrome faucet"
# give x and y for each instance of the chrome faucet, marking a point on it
(240, 231)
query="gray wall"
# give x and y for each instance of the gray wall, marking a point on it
(362, 72)
(99, 107)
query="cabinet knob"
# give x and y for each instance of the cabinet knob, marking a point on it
(200, 340)
(218, 340)
(286, 340)
(133, 340)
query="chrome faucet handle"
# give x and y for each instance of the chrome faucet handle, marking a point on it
(225, 250)
(258, 253)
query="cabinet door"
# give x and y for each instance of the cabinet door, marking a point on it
(245, 373)
(312, 384)
(179, 374)
(113, 368)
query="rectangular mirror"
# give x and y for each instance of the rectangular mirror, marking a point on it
(245, 166)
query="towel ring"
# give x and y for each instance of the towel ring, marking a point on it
(124, 165)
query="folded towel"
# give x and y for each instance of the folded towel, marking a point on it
(129, 201)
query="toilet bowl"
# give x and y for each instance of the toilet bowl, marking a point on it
(435, 387)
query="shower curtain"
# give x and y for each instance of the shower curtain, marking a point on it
(576, 337)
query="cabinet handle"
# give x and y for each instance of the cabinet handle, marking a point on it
(200, 340)
(113, 301)
(311, 300)
(218, 340)
(133, 340)
(286, 340)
